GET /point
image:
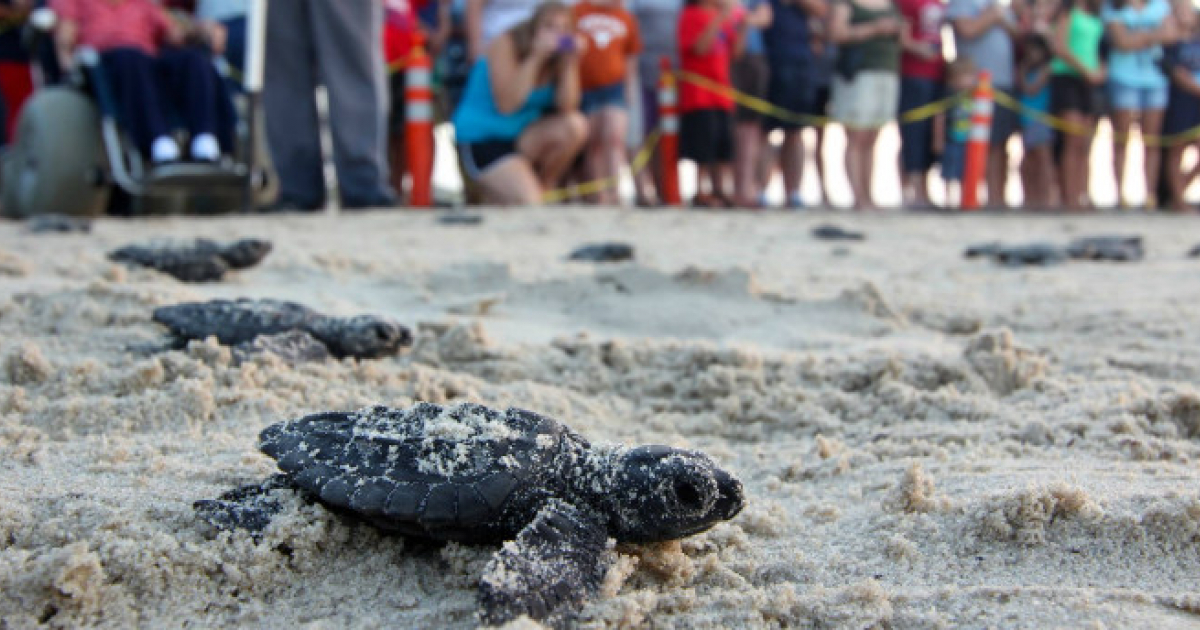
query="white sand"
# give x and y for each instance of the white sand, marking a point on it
(925, 441)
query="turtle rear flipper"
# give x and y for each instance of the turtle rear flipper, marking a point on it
(185, 265)
(249, 508)
(549, 571)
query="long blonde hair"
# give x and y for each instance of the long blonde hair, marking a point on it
(523, 33)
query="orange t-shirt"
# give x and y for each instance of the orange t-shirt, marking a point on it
(612, 38)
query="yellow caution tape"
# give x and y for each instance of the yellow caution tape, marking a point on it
(1065, 126)
(636, 165)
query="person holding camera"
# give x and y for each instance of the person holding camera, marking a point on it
(518, 126)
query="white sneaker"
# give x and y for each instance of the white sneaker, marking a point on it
(205, 148)
(164, 149)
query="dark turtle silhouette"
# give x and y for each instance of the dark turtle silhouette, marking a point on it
(1195, 252)
(1019, 255)
(828, 232)
(57, 223)
(472, 474)
(276, 326)
(200, 260)
(603, 252)
(1107, 248)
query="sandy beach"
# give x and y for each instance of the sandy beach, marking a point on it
(926, 441)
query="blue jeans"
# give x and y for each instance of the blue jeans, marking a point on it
(916, 137)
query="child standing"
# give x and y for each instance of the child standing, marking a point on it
(608, 77)
(1076, 72)
(960, 79)
(1033, 83)
(706, 42)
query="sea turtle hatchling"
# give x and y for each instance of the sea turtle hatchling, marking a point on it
(473, 474)
(198, 260)
(291, 330)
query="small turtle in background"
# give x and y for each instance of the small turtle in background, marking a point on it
(603, 252)
(1019, 255)
(199, 260)
(458, 217)
(1195, 252)
(58, 224)
(1107, 248)
(473, 474)
(829, 232)
(292, 331)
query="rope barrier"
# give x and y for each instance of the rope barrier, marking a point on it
(639, 162)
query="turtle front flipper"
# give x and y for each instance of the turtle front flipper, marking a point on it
(248, 508)
(549, 571)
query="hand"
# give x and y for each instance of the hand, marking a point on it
(1168, 33)
(1097, 77)
(886, 26)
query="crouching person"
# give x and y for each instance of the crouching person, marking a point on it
(518, 126)
(144, 59)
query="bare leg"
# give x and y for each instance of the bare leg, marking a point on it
(748, 140)
(997, 175)
(819, 162)
(608, 141)
(866, 165)
(791, 161)
(858, 165)
(511, 182)
(1152, 122)
(1074, 163)
(552, 143)
(1122, 121)
(1176, 178)
(397, 162)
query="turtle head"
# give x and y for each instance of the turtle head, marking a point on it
(364, 336)
(664, 493)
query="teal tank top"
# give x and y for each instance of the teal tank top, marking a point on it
(477, 118)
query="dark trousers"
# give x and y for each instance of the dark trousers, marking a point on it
(180, 81)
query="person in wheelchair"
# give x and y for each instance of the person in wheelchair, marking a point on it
(152, 62)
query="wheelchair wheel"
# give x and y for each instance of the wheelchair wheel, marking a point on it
(55, 162)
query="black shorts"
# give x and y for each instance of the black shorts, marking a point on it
(478, 157)
(750, 75)
(1005, 122)
(396, 117)
(1069, 93)
(706, 136)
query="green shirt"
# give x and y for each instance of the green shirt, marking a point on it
(877, 53)
(1083, 40)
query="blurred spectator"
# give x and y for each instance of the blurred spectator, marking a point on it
(792, 84)
(921, 69)
(984, 31)
(142, 53)
(1033, 82)
(608, 78)
(707, 39)
(16, 80)
(518, 127)
(1075, 73)
(658, 22)
(1137, 86)
(960, 79)
(866, 86)
(821, 76)
(751, 74)
(335, 43)
(1182, 62)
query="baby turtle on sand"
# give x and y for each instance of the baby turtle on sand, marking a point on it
(1107, 248)
(1019, 255)
(201, 260)
(58, 224)
(1195, 252)
(476, 475)
(603, 252)
(828, 232)
(288, 329)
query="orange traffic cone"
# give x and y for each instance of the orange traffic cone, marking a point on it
(974, 171)
(418, 97)
(668, 143)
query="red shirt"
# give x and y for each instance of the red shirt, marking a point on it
(401, 33)
(925, 18)
(714, 65)
(105, 24)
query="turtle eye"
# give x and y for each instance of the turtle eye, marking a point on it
(382, 332)
(688, 495)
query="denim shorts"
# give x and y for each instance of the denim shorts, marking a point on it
(601, 97)
(1124, 97)
(954, 161)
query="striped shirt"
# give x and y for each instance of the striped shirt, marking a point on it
(110, 24)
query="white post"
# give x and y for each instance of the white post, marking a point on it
(256, 46)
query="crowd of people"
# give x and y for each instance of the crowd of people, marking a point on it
(542, 93)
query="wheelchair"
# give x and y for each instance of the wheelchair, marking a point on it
(70, 155)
